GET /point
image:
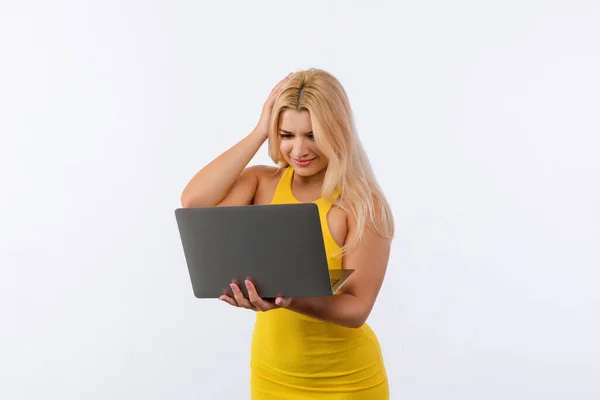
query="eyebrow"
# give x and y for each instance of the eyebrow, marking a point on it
(290, 133)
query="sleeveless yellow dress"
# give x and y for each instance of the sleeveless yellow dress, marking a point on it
(294, 356)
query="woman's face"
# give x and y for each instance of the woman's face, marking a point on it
(297, 145)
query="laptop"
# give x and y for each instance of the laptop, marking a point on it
(279, 247)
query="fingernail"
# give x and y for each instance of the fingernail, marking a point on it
(247, 282)
(231, 285)
(278, 302)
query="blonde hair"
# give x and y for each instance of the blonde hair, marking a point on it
(349, 171)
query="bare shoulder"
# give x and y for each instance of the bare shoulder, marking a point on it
(264, 173)
(369, 257)
(268, 177)
(247, 186)
(371, 232)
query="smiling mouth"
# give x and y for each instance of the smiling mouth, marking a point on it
(302, 163)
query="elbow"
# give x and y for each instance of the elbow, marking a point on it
(356, 324)
(357, 321)
(197, 198)
(185, 201)
(188, 201)
(360, 313)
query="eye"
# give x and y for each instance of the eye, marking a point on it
(286, 135)
(311, 137)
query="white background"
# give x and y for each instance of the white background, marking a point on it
(480, 118)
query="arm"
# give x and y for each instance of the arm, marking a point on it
(226, 180)
(352, 306)
(343, 309)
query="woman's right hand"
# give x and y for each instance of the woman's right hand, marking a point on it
(253, 301)
(262, 128)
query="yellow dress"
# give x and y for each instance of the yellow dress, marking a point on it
(294, 356)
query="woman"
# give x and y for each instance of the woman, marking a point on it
(318, 348)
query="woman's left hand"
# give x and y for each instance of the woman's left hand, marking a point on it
(254, 301)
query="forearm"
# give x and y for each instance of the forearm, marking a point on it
(212, 183)
(342, 309)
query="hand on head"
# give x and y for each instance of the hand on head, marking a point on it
(265, 118)
(254, 301)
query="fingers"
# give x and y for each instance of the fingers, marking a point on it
(283, 81)
(229, 300)
(268, 105)
(239, 297)
(255, 299)
(283, 302)
(277, 88)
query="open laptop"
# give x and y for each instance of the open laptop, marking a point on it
(279, 247)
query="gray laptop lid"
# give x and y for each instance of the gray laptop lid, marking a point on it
(279, 247)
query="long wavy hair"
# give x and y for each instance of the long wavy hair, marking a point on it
(349, 173)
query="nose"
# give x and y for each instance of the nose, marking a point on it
(300, 148)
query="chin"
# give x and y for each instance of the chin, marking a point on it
(305, 171)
